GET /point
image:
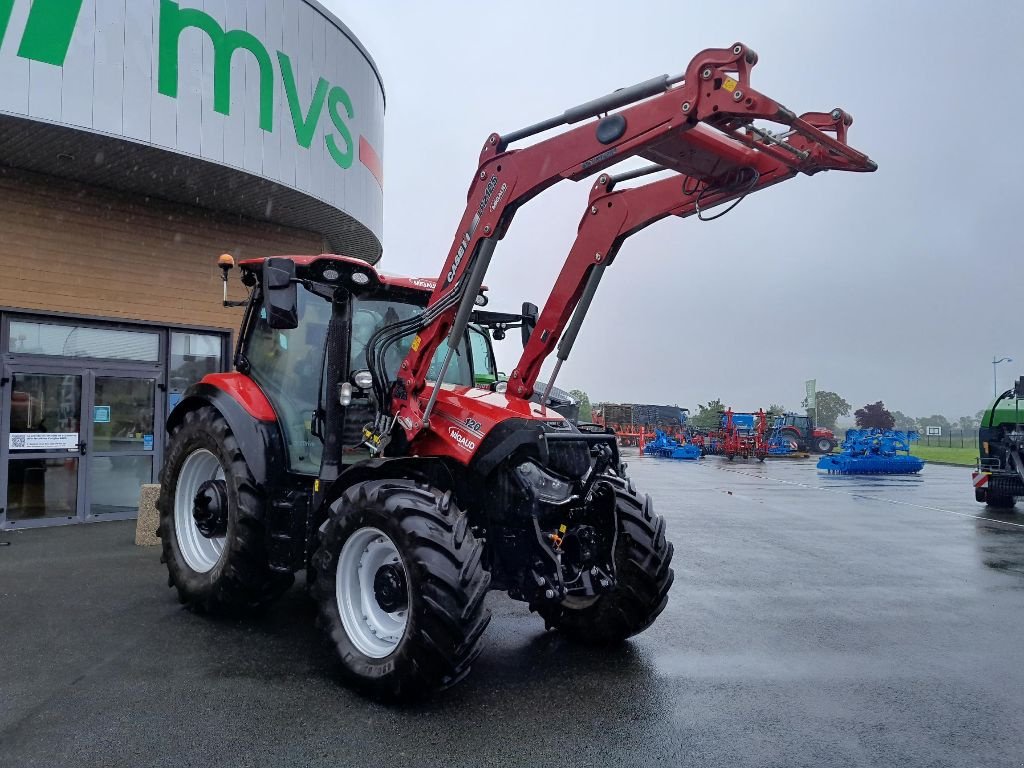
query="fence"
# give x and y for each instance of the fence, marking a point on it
(952, 438)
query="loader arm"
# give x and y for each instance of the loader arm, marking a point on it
(712, 102)
(613, 215)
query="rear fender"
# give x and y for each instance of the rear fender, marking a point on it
(260, 440)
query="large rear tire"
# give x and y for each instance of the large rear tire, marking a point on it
(227, 570)
(643, 560)
(400, 582)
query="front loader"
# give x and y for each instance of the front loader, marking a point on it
(365, 438)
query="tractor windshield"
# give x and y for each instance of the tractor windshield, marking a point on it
(369, 316)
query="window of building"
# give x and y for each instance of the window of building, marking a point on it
(59, 340)
(193, 355)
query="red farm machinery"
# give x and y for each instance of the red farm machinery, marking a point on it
(743, 435)
(364, 437)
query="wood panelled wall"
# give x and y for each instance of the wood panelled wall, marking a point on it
(67, 247)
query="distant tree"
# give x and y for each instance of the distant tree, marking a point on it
(874, 415)
(903, 421)
(776, 410)
(968, 423)
(708, 416)
(830, 407)
(934, 420)
(581, 397)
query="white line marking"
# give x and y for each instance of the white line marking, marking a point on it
(864, 495)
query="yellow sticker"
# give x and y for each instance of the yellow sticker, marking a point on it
(416, 344)
(729, 84)
(561, 528)
(316, 486)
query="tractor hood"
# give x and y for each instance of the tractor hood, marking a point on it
(464, 416)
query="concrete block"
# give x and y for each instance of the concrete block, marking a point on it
(149, 519)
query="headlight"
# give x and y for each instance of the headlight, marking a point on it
(363, 379)
(545, 486)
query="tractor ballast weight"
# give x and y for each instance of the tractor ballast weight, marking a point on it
(470, 485)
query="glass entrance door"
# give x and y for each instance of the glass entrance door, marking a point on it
(123, 443)
(41, 455)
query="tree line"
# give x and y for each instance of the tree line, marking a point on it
(830, 406)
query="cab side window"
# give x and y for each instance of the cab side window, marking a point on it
(286, 364)
(485, 371)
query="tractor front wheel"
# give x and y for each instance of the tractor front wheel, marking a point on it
(824, 445)
(400, 582)
(643, 558)
(211, 520)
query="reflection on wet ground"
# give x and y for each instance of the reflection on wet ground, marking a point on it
(815, 620)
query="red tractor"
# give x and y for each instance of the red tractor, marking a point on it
(803, 435)
(469, 485)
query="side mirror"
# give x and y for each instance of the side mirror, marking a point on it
(530, 314)
(280, 297)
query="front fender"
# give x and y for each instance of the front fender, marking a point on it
(260, 440)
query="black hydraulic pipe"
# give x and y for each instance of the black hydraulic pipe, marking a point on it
(636, 173)
(572, 330)
(614, 100)
(475, 279)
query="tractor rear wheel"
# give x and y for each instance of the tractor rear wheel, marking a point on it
(400, 582)
(643, 558)
(211, 520)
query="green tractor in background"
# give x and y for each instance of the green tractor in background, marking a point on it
(999, 479)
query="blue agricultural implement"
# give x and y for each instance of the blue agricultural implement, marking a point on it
(669, 448)
(874, 452)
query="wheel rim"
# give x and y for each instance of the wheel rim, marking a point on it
(374, 631)
(824, 446)
(200, 553)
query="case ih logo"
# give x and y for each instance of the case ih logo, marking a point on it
(461, 439)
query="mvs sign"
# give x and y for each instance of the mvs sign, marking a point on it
(330, 109)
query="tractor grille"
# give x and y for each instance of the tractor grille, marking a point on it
(569, 458)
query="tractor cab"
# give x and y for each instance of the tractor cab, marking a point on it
(284, 345)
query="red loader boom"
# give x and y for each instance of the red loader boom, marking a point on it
(699, 124)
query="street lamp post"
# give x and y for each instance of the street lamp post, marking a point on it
(995, 362)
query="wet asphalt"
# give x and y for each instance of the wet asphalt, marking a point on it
(814, 621)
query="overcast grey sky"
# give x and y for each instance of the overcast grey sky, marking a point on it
(898, 285)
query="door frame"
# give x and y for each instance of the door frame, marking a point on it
(8, 370)
(94, 371)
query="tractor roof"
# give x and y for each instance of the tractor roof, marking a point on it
(423, 284)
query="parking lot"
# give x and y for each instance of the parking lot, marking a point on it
(814, 621)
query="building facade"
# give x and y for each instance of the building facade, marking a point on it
(140, 139)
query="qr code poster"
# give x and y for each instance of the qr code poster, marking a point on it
(43, 441)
